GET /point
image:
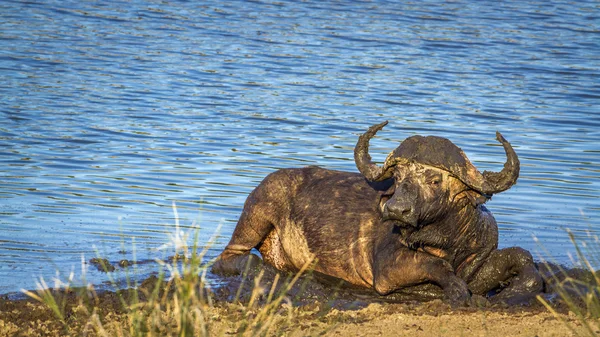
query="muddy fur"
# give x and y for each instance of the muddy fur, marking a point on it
(408, 228)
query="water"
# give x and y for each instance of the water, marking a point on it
(112, 111)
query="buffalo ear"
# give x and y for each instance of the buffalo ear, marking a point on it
(386, 195)
(476, 198)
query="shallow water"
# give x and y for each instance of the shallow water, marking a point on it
(111, 112)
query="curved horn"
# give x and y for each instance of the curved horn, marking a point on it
(495, 182)
(503, 180)
(363, 161)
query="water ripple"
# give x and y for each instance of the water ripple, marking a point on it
(112, 112)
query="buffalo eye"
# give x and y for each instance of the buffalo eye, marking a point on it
(435, 182)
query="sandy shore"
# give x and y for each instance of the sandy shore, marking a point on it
(307, 308)
(27, 318)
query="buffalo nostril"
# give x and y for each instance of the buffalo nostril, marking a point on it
(400, 211)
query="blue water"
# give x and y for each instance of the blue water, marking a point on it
(112, 111)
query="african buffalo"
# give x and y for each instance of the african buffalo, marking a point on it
(417, 219)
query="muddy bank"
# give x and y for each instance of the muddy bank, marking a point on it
(429, 319)
(308, 308)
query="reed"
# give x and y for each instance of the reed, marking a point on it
(581, 295)
(179, 301)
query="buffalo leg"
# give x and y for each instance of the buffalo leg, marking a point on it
(509, 265)
(410, 267)
(252, 228)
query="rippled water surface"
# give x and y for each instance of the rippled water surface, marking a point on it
(112, 111)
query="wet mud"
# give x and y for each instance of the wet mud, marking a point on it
(321, 304)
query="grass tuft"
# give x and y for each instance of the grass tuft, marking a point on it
(581, 293)
(178, 304)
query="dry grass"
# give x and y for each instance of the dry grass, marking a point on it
(178, 305)
(581, 295)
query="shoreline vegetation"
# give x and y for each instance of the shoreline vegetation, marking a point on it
(266, 303)
(178, 301)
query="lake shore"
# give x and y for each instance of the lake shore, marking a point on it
(248, 306)
(30, 318)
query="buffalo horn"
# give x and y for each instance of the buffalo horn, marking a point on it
(495, 182)
(363, 161)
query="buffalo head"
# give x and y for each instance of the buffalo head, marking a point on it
(431, 176)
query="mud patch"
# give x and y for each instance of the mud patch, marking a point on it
(310, 308)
